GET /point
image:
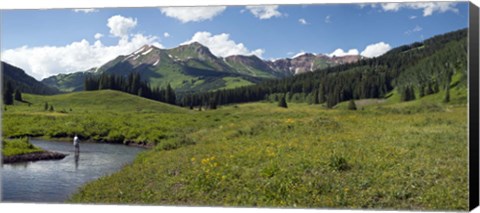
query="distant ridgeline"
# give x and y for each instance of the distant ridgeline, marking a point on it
(409, 71)
(421, 68)
(16, 81)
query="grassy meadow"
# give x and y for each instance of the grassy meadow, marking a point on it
(18, 147)
(385, 155)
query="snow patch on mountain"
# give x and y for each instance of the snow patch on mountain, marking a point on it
(139, 50)
(131, 55)
(148, 51)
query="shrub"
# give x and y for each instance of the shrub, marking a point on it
(282, 102)
(339, 163)
(351, 105)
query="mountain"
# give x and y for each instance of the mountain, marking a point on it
(254, 66)
(432, 68)
(20, 80)
(193, 67)
(309, 62)
(68, 82)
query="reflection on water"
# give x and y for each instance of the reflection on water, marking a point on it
(53, 181)
(77, 157)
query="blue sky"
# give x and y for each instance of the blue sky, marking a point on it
(48, 42)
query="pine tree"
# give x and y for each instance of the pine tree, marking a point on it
(351, 105)
(412, 93)
(18, 95)
(321, 95)
(447, 88)
(170, 95)
(407, 94)
(421, 91)
(447, 95)
(51, 108)
(8, 94)
(213, 104)
(45, 107)
(330, 102)
(283, 102)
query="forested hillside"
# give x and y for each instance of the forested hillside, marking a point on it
(419, 69)
(25, 83)
(15, 82)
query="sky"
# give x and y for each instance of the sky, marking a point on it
(54, 41)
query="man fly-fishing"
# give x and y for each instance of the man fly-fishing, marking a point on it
(76, 143)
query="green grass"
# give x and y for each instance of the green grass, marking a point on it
(11, 147)
(389, 155)
(99, 115)
(234, 82)
(241, 68)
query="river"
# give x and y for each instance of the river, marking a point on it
(53, 181)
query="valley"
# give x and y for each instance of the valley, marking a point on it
(261, 155)
(312, 131)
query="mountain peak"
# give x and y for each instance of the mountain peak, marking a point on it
(196, 44)
(193, 45)
(192, 50)
(303, 54)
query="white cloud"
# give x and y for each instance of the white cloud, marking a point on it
(166, 34)
(264, 12)
(44, 61)
(98, 36)
(192, 14)
(302, 21)
(85, 10)
(120, 26)
(375, 50)
(363, 5)
(328, 19)
(412, 17)
(222, 46)
(414, 30)
(417, 29)
(340, 52)
(372, 50)
(428, 7)
(391, 6)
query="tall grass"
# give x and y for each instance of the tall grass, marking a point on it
(385, 155)
(11, 147)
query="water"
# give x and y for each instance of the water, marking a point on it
(53, 181)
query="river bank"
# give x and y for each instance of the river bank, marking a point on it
(35, 156)
(54, 181)
(69, 140)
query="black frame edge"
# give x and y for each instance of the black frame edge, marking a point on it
(473, 43)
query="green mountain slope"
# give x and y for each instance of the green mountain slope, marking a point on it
(20, 80)
(252, 65)
(411, 71)
(193, 68)
(72, 82)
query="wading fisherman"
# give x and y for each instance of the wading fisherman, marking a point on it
(76, 143)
